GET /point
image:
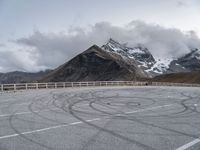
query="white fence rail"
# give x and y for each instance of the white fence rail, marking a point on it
(53, 85)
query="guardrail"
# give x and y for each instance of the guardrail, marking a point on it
(174, 84)
(54, 85)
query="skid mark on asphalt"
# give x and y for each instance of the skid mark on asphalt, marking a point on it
(75, 123)
(29, 112)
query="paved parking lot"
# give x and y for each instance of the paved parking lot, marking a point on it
(102, 118)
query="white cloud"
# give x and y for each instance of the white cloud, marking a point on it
(2, 45)
(48, 50)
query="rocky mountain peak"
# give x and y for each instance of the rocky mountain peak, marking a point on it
(152, 66)
(139, 53)
(188, 62)
(112, 61)
(195, 53)
(96, 64)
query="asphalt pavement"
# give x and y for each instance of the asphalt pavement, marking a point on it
(101, 118)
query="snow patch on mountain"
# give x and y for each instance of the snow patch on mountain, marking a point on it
(154, 66)
(196, 54)
(140, 54)
(161, 66)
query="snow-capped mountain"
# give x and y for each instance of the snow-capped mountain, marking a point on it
(188, 62)
(96, 64)
(139, 53)
(149, 64)
(161, 66)
(115, 61)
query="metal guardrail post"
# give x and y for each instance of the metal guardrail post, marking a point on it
(14, 87)
(55, 85)
(1, 87)
(36, 85)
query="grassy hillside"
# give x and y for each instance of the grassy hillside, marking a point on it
(183, 77)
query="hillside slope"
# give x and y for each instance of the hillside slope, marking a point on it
(96, 64)
(182, 77)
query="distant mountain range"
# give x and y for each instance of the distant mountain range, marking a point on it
(146, 61)
(112, 61)
(22, 77)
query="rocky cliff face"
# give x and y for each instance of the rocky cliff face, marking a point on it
(139, 54)
(96, 64)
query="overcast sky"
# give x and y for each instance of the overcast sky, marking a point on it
(40, 34)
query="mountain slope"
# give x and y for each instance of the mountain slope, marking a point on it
(139, 53)
(143, 57)
(146, 61)
(113, 61)
(188, 62)
(181, 77)
(96, 64)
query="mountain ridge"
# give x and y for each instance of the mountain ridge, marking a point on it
(188, 62)
(21, 77)
(112, 61)
(95, 64)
